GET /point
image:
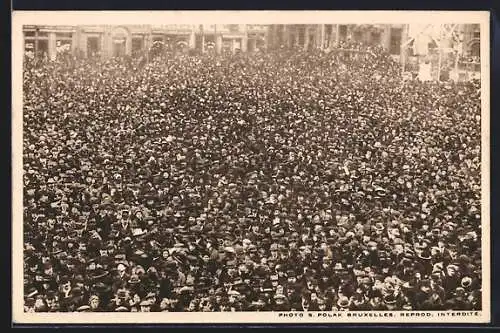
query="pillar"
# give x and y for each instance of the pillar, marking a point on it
(403, 50)
(333, 36)
(35, 44)
(286, 36)
(148, 39)
(386, 38)
(83, 44)
(75, 41)
(337, 35)
(233, 45)
(192, 40)
(202, 42)
(128, 45)
(218, 44)
(321, 43)
(52, 46)
(107, 43)
(306, 38)
(105, 39)
(244, 43)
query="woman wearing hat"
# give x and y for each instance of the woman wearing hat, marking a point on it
(95, 303)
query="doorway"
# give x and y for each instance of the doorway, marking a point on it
(119, 49)
(93, 46)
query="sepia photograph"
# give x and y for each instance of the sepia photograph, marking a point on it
(265, 167)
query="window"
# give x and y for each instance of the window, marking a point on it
(136, 44)
(357, 36)
(198, 42)
(64, 35)
(279, 37)
(233, 27)
(312, 41)
(92, 45)
(29, 45)
(343, 32)
(29, 34)
(43, 47)
(475, 49)
(302, 35)
(375, 37)
(43, 34)
(395, 46)
(328, 29)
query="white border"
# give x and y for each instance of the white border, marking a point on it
(20, 18)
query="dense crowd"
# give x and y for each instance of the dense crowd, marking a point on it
(276, 181)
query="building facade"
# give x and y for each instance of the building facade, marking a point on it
(452, 50)
(109, 41)
(326, 36)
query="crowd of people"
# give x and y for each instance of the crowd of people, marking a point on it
(277, 181)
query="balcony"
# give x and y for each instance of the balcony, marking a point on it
(256, 28)
(179, 28)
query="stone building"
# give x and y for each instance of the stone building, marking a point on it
(452, 47)
(325, 36)
(110, 41)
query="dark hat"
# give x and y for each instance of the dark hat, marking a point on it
(79, 279)
(98, 274)
(122, 293)
(76, 292)
(425, 283)
(121, 309)
(101, 287)
(134, 279)
(410, 254)
(344, 302)
(30, 301)
(120, 257)
(83, 308)
(32, 292)
(390, 299)
(425, 254)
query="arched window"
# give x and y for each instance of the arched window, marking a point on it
(475, 49)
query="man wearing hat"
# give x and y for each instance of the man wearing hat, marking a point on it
(83, 308)
(281, 303)
(145, 306)
(451, 279)
(121, 276)
(121, 299)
